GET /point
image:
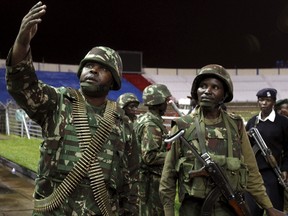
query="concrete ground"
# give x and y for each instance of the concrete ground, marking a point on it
(15, 193)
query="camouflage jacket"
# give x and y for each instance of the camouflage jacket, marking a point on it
(150, 135)
(180, 160)
(51, 108)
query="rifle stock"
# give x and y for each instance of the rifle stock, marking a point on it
(212, 169)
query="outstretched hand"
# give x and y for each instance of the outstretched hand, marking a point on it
(27, 31)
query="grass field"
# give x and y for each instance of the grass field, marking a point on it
(19, 150)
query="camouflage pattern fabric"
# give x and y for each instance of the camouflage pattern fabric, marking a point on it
(52, 108)
(133, 162)
(214, 70)
(108, 58)
(150, 133)
(126, 98)
(132, 147)
(180, 160)
(155, 94)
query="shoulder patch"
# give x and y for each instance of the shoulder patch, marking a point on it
(234, 116)
(183, 122)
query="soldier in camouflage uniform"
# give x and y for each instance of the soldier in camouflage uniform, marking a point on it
(150, 134)
(83, 165)
(281, 106)
(225, 140)
(129, 103)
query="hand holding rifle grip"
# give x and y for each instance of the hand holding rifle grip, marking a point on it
(213, 170)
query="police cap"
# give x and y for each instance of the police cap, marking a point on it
(267, 92)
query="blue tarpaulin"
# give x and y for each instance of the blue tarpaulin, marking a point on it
(70, 79)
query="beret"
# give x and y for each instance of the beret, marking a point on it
(267, 92)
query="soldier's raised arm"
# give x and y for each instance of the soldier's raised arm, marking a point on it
(26, 32)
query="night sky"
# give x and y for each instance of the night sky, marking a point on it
(173, 34)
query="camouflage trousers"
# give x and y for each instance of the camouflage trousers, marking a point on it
(150, 203)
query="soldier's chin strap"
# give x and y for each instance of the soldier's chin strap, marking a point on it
(222, 102)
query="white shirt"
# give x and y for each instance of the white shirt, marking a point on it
(270, 117)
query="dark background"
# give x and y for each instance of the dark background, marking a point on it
(174, 34)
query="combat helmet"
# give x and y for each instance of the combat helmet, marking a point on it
(155, 94)
(108, 58)
(126, 98)
(214, 70)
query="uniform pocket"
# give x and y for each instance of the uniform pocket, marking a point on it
(237, 173)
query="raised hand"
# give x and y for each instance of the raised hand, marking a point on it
(27, 31)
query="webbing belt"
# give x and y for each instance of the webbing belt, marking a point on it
(87, 163)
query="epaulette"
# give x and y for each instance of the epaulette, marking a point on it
(183, 122)
(66, 92)
(234, 116)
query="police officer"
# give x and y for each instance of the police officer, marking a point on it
(83, 166)
(224, 139)
(150, 133)
(129, 103)
(273, 128)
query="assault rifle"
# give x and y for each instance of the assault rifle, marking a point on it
(267, 153)
(222, 185)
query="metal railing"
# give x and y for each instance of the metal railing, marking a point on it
(18, 123)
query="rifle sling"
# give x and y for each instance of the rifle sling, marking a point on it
(200, 133)
(87, 163)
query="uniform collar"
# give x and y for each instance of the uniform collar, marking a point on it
(271, 116)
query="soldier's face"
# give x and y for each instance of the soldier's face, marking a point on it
(284, 109)
(95, 80)
(163, 106)
(210, 92)
(131, 109)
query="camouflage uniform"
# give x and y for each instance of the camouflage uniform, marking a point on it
(227, 144)
(150, 134)
(125, 99)
(51, 108)
(132, 150)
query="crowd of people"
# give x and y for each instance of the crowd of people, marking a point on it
(99, 157)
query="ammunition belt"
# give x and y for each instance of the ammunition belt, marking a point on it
(87, 163)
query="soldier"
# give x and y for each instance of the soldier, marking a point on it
(83, 166)
(220, 134)
(273, 128)
(193, 104)
(129, 103)
(150, 134)
(281, 106)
